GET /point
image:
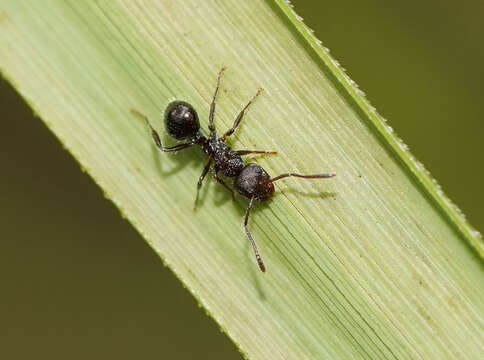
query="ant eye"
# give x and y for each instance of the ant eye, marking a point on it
(181, 120)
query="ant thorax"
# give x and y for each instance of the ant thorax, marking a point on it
(226, 161)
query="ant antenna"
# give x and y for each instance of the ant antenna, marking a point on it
(211, 116)
(251, 239)
(315, 176)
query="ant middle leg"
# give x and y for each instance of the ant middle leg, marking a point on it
(211, 116)
(247, 152)
(239, 117)
(156, 137)
(221, 182)
(201, 178)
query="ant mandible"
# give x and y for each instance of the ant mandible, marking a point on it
(251, 180)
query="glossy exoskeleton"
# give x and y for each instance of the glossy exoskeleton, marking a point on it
(250, 180)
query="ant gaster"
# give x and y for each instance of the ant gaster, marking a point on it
(251, 180)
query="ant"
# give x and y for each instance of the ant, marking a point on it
(251, 180)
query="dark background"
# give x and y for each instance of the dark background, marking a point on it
(78, 282)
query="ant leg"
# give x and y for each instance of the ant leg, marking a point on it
(174, 148)
(202, 177)
(315, 176)
(204, 173)
(221, 182)
(247, 152)
(251, 239)
(156, 137)
(239, 117)
(211, 116)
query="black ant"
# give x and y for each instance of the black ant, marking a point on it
(251, 180)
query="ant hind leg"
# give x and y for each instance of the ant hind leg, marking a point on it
(211, 116)
(156, 137)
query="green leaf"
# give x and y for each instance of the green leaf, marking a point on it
(375, 263)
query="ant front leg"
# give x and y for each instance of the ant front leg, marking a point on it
(211, 116)
(239, 117)
(251, 239)
(201, 178)
(221, 182)
(156, 137)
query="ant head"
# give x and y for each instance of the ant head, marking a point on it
(254, 182)
(181, 120)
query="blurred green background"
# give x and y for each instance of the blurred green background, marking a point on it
(78, 282)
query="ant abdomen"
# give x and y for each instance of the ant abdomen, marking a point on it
(181, 120)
